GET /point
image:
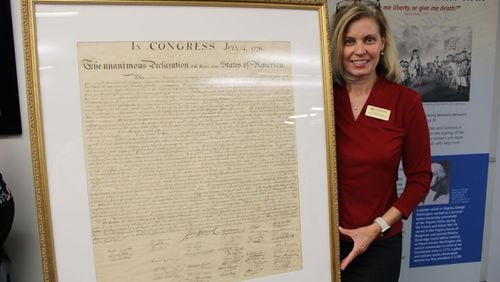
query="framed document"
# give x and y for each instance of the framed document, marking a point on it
(182, 140)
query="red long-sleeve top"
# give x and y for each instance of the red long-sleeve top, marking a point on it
(369, 151)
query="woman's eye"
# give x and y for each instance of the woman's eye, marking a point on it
(348, 42)
(371, 40)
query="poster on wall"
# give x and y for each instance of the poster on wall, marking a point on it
(201, 153)
(445, 55)
(447, 228)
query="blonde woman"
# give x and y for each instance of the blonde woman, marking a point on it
(378, 123)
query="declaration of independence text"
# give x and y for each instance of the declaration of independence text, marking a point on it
(191, 168)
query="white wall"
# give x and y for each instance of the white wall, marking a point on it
(15, 164)
(491, 271)
(492, 244)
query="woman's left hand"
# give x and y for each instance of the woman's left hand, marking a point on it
(362, 238)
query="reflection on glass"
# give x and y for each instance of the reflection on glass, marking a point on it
(55, 14)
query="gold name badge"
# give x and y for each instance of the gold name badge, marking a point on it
(378, 113)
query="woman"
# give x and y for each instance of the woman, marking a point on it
(378, 123)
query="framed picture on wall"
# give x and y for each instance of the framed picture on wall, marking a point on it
(182, 140)
(10, 118)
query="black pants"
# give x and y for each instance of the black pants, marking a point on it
(381, 262)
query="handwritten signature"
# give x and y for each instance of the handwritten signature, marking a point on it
(210, 231)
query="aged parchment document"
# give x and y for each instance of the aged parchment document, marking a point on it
(192, 170)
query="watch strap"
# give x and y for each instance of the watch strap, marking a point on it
(384, 226)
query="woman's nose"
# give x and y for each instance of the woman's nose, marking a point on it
(360, 49)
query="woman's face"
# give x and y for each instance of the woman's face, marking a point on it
(361, 48)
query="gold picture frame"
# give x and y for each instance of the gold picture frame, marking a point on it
(72, 47)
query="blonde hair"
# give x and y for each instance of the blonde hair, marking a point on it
(388, 64)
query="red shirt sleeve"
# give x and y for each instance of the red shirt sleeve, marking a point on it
(416, 158)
